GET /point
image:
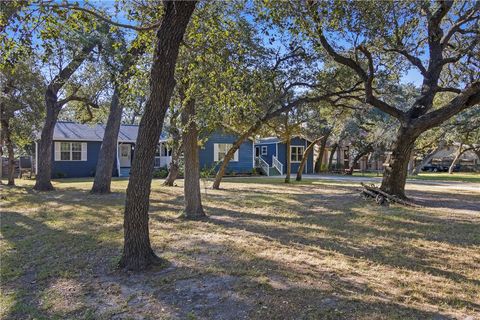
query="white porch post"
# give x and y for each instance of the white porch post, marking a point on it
(118, 162)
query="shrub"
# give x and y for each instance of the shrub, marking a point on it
(160, 173)
(60, 175)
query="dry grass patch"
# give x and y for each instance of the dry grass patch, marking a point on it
(268, 251)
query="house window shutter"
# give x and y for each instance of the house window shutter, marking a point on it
(84, 151)
(235, 156)
(57, 151)
(215, 152)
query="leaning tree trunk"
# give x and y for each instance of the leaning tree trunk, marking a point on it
(395, 173)
(305, 155)
(319, 162)
(193, 199)
(364, 152)
(44, 157)
(458, 154)
(230, 153)
(137, 251)
(332, 154)
(289, 162)
(108, 149)
(426, 160)
(7, 136)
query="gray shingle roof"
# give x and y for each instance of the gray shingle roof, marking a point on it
(89, 132)
(268, 140)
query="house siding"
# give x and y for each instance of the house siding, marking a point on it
(282, 154)
(271, 151)
(77, 169)
(245, 153)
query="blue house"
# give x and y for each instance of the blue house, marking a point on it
(76, 148)
(271, 155)
(217, 145)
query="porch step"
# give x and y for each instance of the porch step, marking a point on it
(124, 172)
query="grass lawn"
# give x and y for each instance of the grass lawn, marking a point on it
(441, 176)
(268, 251)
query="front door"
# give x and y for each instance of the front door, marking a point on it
(257, 151)
(125, 155)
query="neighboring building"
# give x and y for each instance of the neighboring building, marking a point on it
(469, 161)
(76, 148)
(271, 155)
(342, 157)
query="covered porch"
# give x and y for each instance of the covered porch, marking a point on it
(126, 150)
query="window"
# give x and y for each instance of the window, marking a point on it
(163, 151)
(70, 151)
(166, 152)
(296, 153)
(264, 150)
(221, 149)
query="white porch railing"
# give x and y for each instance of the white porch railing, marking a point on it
(157, 162)
(260, 163)
(277, 164)
(162, 161)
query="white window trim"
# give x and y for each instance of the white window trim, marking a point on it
(262, 152)
(291, 153)
(58, 151)
(216, 152)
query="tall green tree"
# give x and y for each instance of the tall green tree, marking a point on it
(137, 251)
(381, 41)
(20, 108)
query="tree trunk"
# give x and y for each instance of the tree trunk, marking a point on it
(229, 156)
(395, 173)
(332, 154)
(193, 198)
(458, 154)
(288, 154)
(53, 107)
(137, 252)
(174, 167)
(44, 174)
(319, 162)
(305, 155)
(176, 151)
(364, 152)
(108, 149)
(426, 160)
(6, 135)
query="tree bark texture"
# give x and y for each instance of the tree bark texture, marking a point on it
(193, 198)
(332, 154)
(305, 155)
(137, 251)
(176, 151)
(7, 136)
(319, 162)
(395, 173)
(458, 154)
(53, 107)
(108, 149)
